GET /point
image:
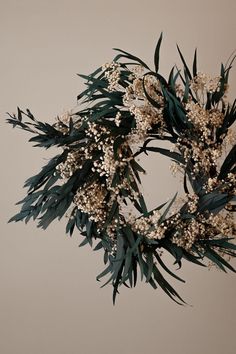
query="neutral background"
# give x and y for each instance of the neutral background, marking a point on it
(50, 302)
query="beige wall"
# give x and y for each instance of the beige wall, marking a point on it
(49, 304)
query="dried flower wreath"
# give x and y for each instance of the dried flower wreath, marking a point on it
(125, 107)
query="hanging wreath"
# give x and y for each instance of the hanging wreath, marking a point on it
(95, 181)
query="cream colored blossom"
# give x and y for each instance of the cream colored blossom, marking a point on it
(112, 74)
(149, 226)
(91, 200)
(201, 117)
(145, 114)
(203, 82)
(73, 162)
(211, 184)
(118, 119)
(193, 202)
(189, 234)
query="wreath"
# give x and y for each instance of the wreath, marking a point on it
(125, 110)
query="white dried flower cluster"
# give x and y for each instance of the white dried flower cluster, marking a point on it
(211, 184)
(179, 90)
(111, 232)
(202, 118)
(222, 223)
(109, 166)
(229, 183)
(146, 115)
(205, 152)
(137, 72)
(73, 162)
(149, 226)
(202, 227)
(186, 236)
(203, 82)
(96, 131)
(118, 119)
(112, 74)
(106, 165)
(204, 158)
(231, 179)
(192, 202)
(76, 158)
(91, 200)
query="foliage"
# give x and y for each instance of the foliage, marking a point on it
(97, 175)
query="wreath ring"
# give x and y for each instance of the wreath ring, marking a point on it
(125, 107)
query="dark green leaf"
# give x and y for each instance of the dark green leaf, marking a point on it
(195, 64)
(157, 53)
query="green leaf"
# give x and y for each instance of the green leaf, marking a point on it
(98, 246)
(141, 263)
(84, 242)
(115, 285)
(136, 166)
(229, 162)
(184, 63)
(129, 237)
(105, 272)
(157, 53)
(71, 223)
(215, 260)
(117, 143)
(173, 155)
(167, 287)
(19, 216)
(186, 89)
(128, 263)
(143, 205)
(163, 216)
(129, 56)
(192, 258)
(167, 269)
(150, 264)
(173, 78)
(223, 243)
(213, 202)
(19, 114)
(195, 64)
(112, 214)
